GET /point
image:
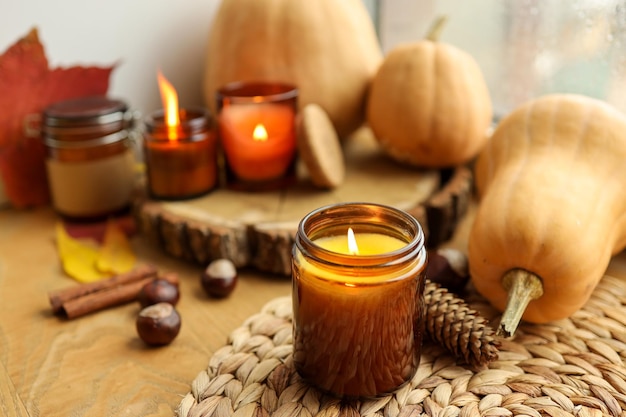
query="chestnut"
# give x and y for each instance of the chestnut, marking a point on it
(157, 291)
(158, 324)
(219, 278)
(448, 267)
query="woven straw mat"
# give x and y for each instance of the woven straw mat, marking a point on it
(574, 367)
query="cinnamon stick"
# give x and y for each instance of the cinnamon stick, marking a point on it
(59, 297)
(109, 297)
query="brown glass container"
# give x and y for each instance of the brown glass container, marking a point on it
(90, 163)
(256, 125)
(358, 319)
(181, 162)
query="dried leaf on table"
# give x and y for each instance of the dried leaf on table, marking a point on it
(28, 86)
(78, 257)
(116, 255)
(86, 261)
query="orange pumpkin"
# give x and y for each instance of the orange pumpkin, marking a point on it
(429, 105)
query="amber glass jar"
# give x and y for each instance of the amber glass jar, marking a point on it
(90, 162)
(358, 314)
(181, 161)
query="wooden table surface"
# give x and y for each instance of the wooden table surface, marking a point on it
(96, 365)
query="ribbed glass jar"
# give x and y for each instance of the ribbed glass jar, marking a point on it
(358, 317)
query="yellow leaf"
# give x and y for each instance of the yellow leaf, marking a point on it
(78, 257)
(116, 256)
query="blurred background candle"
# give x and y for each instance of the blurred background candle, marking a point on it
(180, 149)
(90, 163)
(358, 278)
(257, 132)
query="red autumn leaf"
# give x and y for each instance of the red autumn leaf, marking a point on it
(27, 87)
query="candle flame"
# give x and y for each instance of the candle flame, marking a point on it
(353, 248)
(259, 133)
(170, 104)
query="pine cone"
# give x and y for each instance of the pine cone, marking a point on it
(454, 325)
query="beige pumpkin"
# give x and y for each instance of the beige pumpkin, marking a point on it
(327, 48)
(429, 105)
(551, 183)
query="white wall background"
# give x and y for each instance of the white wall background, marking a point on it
(525, 47)
(140, 36)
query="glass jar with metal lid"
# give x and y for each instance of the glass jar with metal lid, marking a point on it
(90, 161)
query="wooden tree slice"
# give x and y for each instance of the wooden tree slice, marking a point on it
(258, 228)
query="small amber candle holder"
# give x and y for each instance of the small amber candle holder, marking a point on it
(256, 125)
(358, 315)
(181, 161)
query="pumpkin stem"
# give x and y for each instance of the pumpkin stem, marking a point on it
(523, 287)
(434, 32)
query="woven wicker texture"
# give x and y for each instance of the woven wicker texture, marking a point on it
(574, 367)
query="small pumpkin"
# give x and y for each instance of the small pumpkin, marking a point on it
(429, 104)
(328, 49)
(551, 185)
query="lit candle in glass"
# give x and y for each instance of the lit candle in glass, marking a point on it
(180, 149)
(257, 132)
(358, 279)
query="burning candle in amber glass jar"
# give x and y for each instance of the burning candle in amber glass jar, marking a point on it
(180, 149)
(358, 280)
(256, 123)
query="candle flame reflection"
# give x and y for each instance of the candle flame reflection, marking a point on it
(259, 134)
(353, 248)
(170, 104)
